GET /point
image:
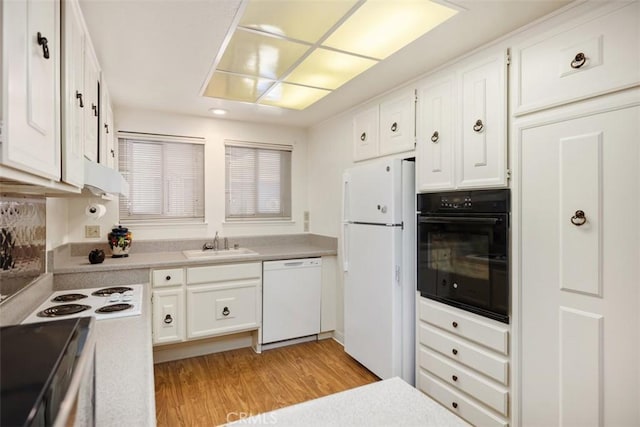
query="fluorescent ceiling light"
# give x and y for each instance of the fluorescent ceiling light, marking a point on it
(291, 53)
(218, 111)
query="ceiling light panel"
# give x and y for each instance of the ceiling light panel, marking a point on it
(381, 27)
(307, 20)
(260, 55)
(328, 69)
(237, 88)
(292, 96)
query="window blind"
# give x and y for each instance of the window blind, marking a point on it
(166, 179)
(258, 181)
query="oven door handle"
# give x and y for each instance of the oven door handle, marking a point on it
(449, 220)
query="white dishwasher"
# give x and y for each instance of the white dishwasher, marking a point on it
(291, 299)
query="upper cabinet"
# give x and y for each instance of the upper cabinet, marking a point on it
(385, 128)
(573, 62)
(462, 126)
(108, 148)
(30, 131)
(92, 104)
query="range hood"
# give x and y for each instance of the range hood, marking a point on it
(101, 180)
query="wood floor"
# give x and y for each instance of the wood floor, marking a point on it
(222, 387)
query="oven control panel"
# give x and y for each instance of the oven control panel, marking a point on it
(456, 202)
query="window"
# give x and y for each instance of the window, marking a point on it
(258, 181)
(165, 176)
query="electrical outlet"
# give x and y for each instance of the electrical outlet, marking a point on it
(92, 231)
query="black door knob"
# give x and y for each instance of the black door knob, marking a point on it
(168, 319)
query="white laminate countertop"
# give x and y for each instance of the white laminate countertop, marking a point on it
(125, 394)
(391, 402)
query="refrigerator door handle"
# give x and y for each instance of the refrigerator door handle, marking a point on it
(345, 196)
(345, 247)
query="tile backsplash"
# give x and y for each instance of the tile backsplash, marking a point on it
(22, 242)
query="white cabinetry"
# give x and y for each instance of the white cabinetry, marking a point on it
(168, 306)
(386, 128)
(578, 239)
(30, 131)
(461, 126)
(108, 148)
(91, 104)
(73, 94)
(462, 362)
(223, 299)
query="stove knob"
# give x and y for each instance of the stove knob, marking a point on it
(115, 297)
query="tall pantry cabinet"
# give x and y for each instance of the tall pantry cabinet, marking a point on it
(577, 205)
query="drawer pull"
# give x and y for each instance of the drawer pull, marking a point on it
(42, 41)
(168, 319)
(363, 137)
(225, 311)
(454, 378)
(79, 98)
(454, 404)
(394, 127)
(578, 61)
(478, 126)
(435, 137)
(168, 278)
(454, 351)
(454, 324)
(579, 218)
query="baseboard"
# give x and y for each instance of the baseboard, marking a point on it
(285, 343)
(170, 352)
(339, 336)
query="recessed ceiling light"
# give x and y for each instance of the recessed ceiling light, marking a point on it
(218, 111)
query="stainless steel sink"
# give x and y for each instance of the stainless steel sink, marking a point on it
(222, 253)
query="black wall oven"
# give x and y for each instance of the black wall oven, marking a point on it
(463, 250)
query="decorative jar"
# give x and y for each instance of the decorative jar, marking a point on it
(119, 241)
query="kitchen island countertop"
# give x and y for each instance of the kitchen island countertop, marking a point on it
(125, 394)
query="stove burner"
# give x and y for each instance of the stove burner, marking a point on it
(113, 308)
(68, 297)
(105, 292)
(63, 310)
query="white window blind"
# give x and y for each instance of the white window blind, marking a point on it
(166, 180)
(258, 181)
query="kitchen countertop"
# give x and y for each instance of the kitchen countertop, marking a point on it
(125, 393)
(384, 403)
(80, 264)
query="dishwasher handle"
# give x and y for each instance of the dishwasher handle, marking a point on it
(293, 264)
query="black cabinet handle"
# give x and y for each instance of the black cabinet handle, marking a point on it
(454, 324)
(106, 127)
(168, 319)
(455, 378)
(79, 98)
(578, 61)
(225, 311)
(579, 218)
(113, 153)
(394, 127)
(454, 404)
(478, 126)
(168, 277)
(42, 41)
(94, 107)
(454, 351)
(435, 137)
(363, 137)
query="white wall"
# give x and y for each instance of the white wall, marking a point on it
(57, 225)
(215, 131)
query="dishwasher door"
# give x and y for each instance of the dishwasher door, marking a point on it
(291, 299)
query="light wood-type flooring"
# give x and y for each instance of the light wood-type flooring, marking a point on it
(218, 388)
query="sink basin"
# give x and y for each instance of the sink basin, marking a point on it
(222, 253)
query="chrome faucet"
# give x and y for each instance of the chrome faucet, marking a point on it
(212, 245)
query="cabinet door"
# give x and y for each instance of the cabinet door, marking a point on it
(220, 309)
(168, 316)
(397, 124)
(482, 153)
(579, 289)
(436, 136)
(365, 134)
(92, 104)
(107, 139)
(31, 86)
(73, 40)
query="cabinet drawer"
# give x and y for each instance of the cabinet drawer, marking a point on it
(465, 325)
(609, 44)
(217, 311)
(457, 403)
(464, 352)
(224, 273)
(464, 379)
(169, 277)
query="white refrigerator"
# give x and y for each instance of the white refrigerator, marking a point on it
(378, 256)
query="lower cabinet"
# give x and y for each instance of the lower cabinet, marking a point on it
(462, 362)
(201, 302)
